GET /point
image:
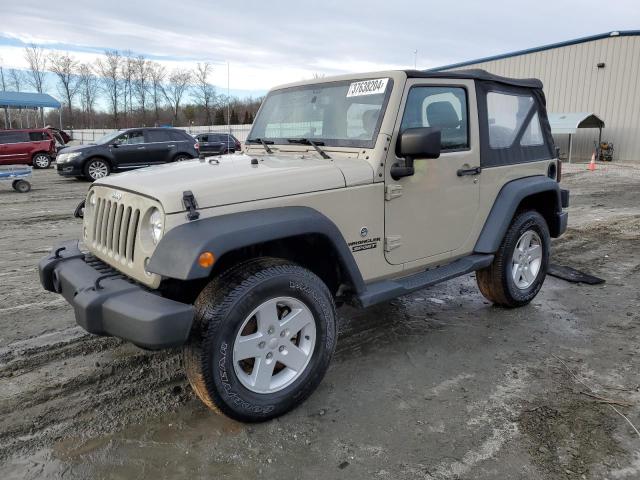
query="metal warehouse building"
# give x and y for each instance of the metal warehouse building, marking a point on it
(598, 74)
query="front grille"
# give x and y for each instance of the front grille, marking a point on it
(115, 229)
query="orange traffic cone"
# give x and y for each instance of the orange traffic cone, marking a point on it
(592, 163)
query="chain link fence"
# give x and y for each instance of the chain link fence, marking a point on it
(81, 137)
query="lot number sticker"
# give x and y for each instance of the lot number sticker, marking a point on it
(367, 87)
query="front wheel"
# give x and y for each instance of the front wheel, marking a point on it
(96, 168)
(262, 340)
(520, 264)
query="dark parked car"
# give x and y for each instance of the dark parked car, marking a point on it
(34, 146)
(218, 143)
(127, 149)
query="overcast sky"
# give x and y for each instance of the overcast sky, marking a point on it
(270, 42)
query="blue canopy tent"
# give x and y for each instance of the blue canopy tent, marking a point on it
(27, 100)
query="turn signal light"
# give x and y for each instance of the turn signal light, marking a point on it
(206, 259)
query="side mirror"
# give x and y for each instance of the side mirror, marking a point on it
(415, 144)
(114, 145)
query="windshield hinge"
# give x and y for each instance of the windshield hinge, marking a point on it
(191, 205)
(392, 191)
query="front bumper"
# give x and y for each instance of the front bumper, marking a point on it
(69, 169)
(107, 303)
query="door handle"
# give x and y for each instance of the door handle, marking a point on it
(469, 171)
(141, 148)
(170, 146)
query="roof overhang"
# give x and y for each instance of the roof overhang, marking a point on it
(27, 100)
(569, 122)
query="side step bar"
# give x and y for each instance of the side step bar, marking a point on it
(384, 290)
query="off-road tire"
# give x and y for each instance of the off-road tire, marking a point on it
(93, 163)
(496, 282)
(41, 160)
(222, 307)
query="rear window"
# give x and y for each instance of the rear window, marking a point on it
(38, 136)
(507, 113)
(13, 137)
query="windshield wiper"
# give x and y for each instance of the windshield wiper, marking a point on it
(306, 141)
(263, 142)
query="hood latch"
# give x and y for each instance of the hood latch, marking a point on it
(190, 204)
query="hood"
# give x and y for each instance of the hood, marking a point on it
(233, 179)
(79, 148)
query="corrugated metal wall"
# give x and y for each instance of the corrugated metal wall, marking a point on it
(573, 83)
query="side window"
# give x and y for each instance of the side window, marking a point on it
(13, 137)
(178, 136)
(157, 136)
(507, 113)
(441, 107)
(38, 136)
(533, 134)
(136, 137)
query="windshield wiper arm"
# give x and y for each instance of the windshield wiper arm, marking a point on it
(263, 142)
(306, 141)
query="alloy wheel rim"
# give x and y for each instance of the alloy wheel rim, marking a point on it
(41, 161)
(98, 170)
(526, 260)
(274, 345)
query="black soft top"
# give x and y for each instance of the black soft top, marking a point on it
(476, 74)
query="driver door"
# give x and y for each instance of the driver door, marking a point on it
(130, 150)
(430, 215)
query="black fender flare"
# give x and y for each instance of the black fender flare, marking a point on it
(176, 256)
(505, 205)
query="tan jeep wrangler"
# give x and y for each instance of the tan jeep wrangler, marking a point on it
(355, 189)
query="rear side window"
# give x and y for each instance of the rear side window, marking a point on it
(38, 136)
(507, 113)
(441, 107)
(177, 135)
(157, 136)
(13, 137)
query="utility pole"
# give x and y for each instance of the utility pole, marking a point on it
(228, 109)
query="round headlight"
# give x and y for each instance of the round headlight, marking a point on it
(155, 222)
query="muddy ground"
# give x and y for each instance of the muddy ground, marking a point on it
(436, 385)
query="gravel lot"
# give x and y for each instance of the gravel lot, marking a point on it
(435, 385)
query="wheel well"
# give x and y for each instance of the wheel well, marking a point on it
(312, 251)
(545, 203)
(39, 152)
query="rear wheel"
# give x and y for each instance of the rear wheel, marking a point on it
(520, 264)
(263, 337)
(96, 168)
(41, 160)
(181, 158)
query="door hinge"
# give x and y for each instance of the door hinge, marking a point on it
(392, 242)
(392, 191)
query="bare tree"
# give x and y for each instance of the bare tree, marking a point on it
(3, 85)
(16, 79)
(66, 68)
(205, 93)
(88, 89)
(37, 61)
(109, 71)
(142, 77)
(126, 74)
(158, 74)
(179, 82)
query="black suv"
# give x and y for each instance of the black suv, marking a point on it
(126, 149)
(218, 143)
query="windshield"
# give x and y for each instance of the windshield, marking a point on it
(108, 138)
(346, 113)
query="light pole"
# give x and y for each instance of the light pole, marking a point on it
(415, 59)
